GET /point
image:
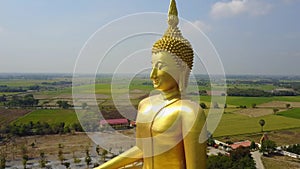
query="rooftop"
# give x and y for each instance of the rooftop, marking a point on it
(236, 145)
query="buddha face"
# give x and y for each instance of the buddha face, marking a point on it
(165, 72)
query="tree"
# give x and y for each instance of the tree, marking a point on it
(98, 149)
(63, 104)
(252, 145)
(29, 100)
(87, 157)
(60, 155)
(248, 92)
(42, 160)
(225, 162)
(35, 87)
(275, 110)
(294, 149)
(242, 106)
(203, 105)
(239, 158)
(77, 127)
(25, 157)
(268, 147)
(239, 153)
(262, 123)
(202, 92)
(3, 98)
(88, 161)
(15, 101)
(246, 162)
(103, 154)
(211, 142)
(219, 161)
(66, 129)
(66, 164)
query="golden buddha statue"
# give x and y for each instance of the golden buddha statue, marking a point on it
(170, 130)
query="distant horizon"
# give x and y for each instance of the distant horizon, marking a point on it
(90, 74)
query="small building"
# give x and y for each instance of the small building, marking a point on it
(115, 123)
(236, 145)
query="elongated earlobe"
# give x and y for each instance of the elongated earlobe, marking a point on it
(183, 76)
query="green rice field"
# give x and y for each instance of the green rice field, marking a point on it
(49, 116)
(293, 113)
(235, 124)
(248, 101)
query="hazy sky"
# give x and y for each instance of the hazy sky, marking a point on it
(251, 36)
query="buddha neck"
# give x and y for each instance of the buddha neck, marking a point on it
(171, 94)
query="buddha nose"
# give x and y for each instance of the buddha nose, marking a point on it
(153, 73)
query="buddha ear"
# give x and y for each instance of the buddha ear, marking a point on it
(183, 78)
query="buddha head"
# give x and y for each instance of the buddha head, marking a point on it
(172, 56)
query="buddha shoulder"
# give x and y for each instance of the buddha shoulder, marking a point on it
(149, 100)
(189, 108)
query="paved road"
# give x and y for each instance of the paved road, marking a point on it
(257, 158)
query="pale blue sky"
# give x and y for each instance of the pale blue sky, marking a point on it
(251, 36)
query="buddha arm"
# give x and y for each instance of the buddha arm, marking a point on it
(128, 157)
(195, 140)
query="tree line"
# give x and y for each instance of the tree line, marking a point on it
(19, 101)
(5, 88)
(40, 128)
(292, 85)
(257, 93)
(239, 158)
(29, 101)
(294, 149)
(57, 83)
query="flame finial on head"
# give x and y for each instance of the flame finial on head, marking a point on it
(173, 41)
(173, 14)
(173, 8)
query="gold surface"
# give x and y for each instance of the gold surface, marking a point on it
(170, 130)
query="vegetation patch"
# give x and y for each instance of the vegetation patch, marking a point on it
(241, 101)
(279, 162)
(249, 101)
(281, 137)
(293, 113)
(279, 104)
(235, 124)
(248, 92)
(294, 149)
(287, 98)
(255, 112)
(239, 158)
(50, 116)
